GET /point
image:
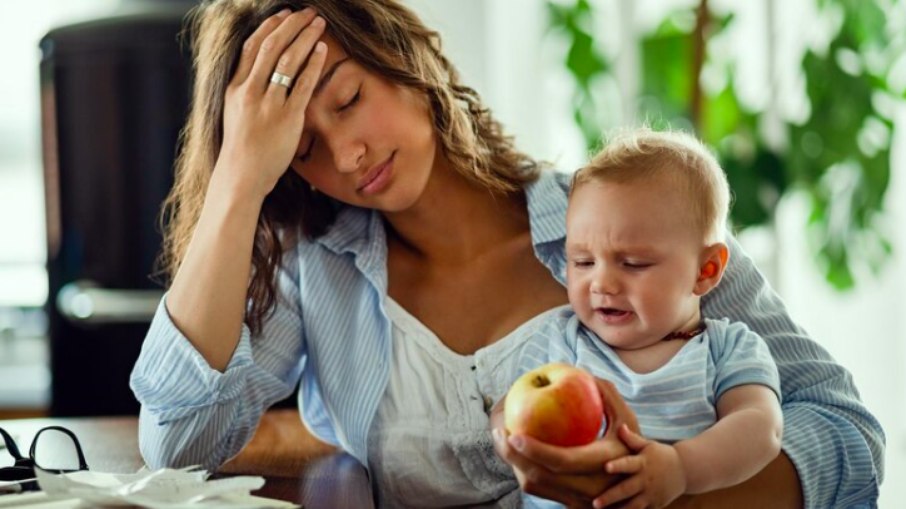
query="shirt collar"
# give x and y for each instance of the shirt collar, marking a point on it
(352, 231)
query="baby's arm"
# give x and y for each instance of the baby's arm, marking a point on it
(743, 441)
(745, 438)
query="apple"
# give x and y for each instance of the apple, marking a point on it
(557, 404)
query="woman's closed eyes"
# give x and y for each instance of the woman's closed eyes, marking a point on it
(348, 104)
(351, 102)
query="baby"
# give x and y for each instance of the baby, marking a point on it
(644, 243)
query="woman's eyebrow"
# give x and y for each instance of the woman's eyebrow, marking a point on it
(328, 75)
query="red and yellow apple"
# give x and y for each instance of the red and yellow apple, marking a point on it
(557, 404)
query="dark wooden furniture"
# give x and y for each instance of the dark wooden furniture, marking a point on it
(307, 473)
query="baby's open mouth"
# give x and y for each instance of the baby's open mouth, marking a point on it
(613, 316)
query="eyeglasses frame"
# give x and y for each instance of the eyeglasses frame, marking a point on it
(23, 467)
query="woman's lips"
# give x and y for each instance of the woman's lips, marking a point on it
(377, 178)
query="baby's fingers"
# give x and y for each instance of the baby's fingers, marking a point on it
(625, 465)
(632, 440)
(626, 489)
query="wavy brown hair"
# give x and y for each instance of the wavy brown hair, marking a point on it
(387, 39)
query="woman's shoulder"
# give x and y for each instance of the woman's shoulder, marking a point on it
(547, 199)
(550, 178)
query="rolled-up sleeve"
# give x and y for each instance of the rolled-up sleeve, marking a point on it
(835, 443)
(193, 414)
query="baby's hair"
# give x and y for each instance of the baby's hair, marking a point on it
(641, 154)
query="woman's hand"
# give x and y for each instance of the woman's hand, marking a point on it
(573, 476)
(262, 121)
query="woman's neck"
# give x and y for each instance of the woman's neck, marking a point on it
(456, 221)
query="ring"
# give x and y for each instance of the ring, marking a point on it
(281, 79)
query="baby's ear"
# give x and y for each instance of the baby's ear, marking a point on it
(711, 267)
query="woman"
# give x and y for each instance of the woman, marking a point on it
(348, 215)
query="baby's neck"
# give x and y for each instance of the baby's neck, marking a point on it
(660, 350)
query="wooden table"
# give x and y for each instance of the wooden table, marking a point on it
(318, 478)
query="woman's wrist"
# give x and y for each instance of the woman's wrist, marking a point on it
(233, 184)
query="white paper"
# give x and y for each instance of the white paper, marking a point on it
(160, 489)
(38, 500)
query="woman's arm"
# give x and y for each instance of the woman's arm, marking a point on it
(261, 126)
(835, 443)
(201, 390)
(193, 414)
(719, 457)
(777, 486)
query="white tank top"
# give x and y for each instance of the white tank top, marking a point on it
(430, 444)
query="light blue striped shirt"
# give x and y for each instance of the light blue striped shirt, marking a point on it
(331, 333)
(677, 400)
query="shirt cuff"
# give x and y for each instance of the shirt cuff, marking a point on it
(171, 379)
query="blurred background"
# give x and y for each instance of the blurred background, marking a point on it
(802, 100)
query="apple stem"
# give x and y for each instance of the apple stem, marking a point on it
(541, 381)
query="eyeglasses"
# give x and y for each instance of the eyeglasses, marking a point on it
(54, 449)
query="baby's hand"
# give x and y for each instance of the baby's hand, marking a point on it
(655, 475)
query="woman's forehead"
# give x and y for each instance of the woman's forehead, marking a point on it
(335, 50)
(335, 54)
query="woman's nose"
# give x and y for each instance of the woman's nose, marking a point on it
(348, 154)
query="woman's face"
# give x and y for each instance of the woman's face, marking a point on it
(366, 141)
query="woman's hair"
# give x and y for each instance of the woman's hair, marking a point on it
(383, 36)
(640, 155)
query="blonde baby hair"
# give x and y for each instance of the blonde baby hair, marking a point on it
(641, 154)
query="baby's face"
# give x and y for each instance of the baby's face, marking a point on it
(634, 259)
